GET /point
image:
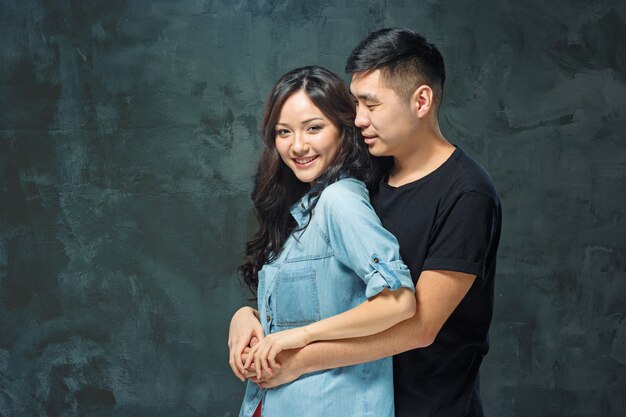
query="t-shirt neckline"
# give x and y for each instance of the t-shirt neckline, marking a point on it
(457, 151)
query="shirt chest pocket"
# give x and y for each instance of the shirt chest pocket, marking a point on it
(295, 297)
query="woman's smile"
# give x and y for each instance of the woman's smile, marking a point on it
(306, 140)
(305, 162)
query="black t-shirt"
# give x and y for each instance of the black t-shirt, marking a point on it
(448, 220)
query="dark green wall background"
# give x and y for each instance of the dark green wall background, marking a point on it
(127, 142)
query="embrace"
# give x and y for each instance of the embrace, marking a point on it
(374, 260)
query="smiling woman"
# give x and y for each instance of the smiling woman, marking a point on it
(305, 139)
(322, 265)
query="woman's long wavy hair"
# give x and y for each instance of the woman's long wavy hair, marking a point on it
(276, 187)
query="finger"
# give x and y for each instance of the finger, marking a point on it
(250, 357)
(259, 333)
(271, 357)
(250, 374)
(254, 341)
(238, 361)
(257, 366)
(264, 362)
(237, 365)
(232, 341)
(256, 379)
(233, 366)
(269, 383)
(259, 363)
(244, 357)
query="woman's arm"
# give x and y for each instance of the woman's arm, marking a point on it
(351, 228)
(438, 293)
(376, 314)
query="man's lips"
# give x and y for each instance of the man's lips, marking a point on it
(369, 139)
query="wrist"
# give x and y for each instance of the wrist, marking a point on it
(308, 333)
(248, 310)
(298, 363)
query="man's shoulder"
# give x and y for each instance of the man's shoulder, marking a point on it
(468, 176)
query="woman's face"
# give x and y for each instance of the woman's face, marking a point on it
(306, 140)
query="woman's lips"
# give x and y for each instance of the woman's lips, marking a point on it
(305, 162)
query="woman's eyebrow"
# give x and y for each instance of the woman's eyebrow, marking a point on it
(310, 120)
(303, 122)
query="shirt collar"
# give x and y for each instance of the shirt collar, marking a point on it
(300, 208)
(299, 211)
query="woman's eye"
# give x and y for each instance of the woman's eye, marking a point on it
(282, 132)
(314, 129)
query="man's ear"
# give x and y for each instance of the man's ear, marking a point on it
(422, 101)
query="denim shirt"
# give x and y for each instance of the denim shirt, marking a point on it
(342, 257)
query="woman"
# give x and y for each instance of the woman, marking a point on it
(322, 265)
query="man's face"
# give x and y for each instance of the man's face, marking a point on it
(385, 119)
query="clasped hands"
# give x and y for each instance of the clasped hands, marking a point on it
(265, 360)
(263, 354)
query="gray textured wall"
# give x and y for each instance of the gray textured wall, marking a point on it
(127, 141)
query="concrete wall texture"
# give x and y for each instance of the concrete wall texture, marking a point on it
(128, 135)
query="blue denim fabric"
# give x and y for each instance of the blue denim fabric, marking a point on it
(340, 259)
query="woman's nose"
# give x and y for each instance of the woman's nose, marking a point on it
(299, 144)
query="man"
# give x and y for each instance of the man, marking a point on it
(442, 207)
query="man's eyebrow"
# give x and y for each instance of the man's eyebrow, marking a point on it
(366, 97)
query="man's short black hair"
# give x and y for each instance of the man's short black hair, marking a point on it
(405, 59)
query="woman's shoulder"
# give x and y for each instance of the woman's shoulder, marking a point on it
(344, 188)
(343, 194)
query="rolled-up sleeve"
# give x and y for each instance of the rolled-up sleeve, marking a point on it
(357, 238)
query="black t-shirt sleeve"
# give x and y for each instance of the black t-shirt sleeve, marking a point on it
(462, 235)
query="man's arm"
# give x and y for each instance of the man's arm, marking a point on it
(437, 293)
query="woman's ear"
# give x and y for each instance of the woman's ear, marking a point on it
(422, 101)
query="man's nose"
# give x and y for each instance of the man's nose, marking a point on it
(361, 119)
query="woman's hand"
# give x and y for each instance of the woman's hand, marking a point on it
(263, 355)
(290, 369)
(244, 326)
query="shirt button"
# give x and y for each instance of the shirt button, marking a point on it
(268, 317)
(375, 260)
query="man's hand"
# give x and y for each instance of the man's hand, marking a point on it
(244, 326)
(264, 354)
(288, 371)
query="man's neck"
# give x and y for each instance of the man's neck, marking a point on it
(427, 153)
